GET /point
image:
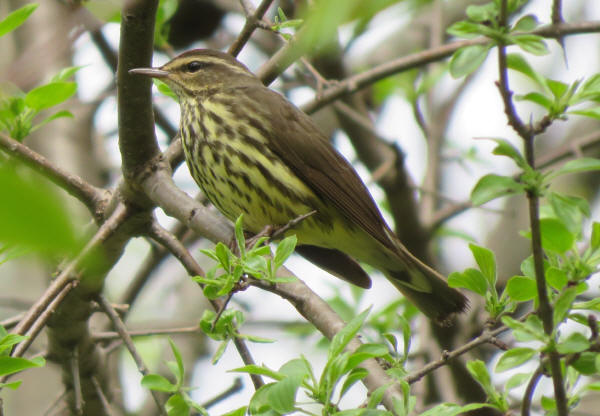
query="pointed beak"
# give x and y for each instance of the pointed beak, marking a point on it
(150, 72)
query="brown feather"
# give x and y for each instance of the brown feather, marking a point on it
(313, 159)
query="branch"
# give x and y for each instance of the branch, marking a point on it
(137, 141)
(528, 395)
(234, 388)
(486, 337)
(528, 136)
(95, 199)
(356, 82)
(250, 25)
(122, 330)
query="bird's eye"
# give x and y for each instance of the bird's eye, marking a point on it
(195, 66)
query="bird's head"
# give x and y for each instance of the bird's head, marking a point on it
(198, 71)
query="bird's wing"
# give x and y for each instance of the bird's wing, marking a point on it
(305, 150)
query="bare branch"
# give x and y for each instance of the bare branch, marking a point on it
(137, 141)
(122, 330)
(356, 82)
(486, 337)
(252, 20)
(234, 388)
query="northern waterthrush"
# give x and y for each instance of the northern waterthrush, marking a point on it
(254, 153)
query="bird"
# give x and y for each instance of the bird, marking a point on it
(253, 152)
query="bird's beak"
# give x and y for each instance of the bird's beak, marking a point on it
(150, 72)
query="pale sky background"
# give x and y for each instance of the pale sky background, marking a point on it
(481, 115)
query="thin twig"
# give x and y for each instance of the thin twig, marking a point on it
(108, 335)
(102, 397)
(55, 402)
(74, 364)
(122, 330)
(250, 25)
(93, 198)
(419, 59)
(40, 319)
(528, 395)
(486, 337)
(234, 388)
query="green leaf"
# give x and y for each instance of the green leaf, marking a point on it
(49, 95)
(584, 164)
(58, 114)
(482, 13)
(179, 373)
(555, 235)
(16, 18)
(464, 29)
(365, 352)
(239, 235)
(595, 240)
(556, 278)
(585, 364)
(516, 380)
(282, 395)
(451, 409)
(224, 255)
(521, 288)
(576, 342)
(516, 62)
(66, 73)
(590, 112)
(259, 403)
(284, 250)
(259, 370)
(493, 186)
(377, 395)
(158, 383)
(590, 90)
(486, 261)
(558, 89)
(533, 44)
(526, 23)
(11, 365)
(563, 305)
(570, 210)
(164, 89)
(480, 373)
(9, 340)
(177, 406)
(505, 148)
(537, 98)
(467, 59)
(471, 279)
(219, 352)
(32, 215)
(353, 377)
(530, 330)
(513, 358)
(343, 337)
(237, 412)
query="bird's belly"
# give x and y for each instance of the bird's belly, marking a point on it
(240, 179)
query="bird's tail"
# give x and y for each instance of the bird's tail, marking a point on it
(429, 291)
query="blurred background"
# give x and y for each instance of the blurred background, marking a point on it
(424, 129)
